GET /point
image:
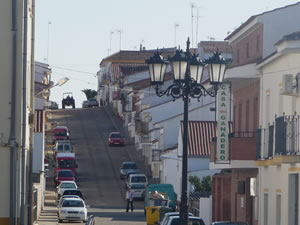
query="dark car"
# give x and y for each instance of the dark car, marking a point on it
(92, 102)
(127, 166)
(73, 192)
(63, 175)
(115, 138)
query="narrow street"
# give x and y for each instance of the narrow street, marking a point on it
(98, 164)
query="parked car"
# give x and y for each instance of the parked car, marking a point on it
(139, 191)
(60, 133)
(115, 138)
(65, 185)
(174, 220)
(63, 175)
(127, 166)
(138, 178)
(72, 209)
(72, 192)
(92, 102)
(85, 104)
(61, 199)
(229, 223)
(62, 146)
(167, 215)
(53, 105)
(129, 172)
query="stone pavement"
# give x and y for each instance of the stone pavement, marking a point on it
(48, 216)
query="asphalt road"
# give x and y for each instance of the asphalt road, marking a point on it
(98, 164)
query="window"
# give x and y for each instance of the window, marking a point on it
(247, 116)
(278, 209)
(240, 117)
(257, 43)
(255, 112)
(247, 50)
(238, 56)
(266, 209)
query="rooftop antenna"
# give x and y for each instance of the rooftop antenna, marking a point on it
(120, 31)
(193, 5)
(110, 40)
(176, 25)
(48, 41)
(197, 18)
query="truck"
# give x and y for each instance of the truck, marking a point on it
(165, 189)
(65, 161)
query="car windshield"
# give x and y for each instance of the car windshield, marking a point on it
(129, 166)
(176, 221)
(138, 179)
(138, 186)
(65, 173)
(66, 163)
(60, 147)
(60, 132)
(72, 203)
(115, 135)
(67, 185)
(67, 147)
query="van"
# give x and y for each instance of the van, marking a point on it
(63, 146)
(138, 178)
(60, 133)
(162, 188)
(65, 161)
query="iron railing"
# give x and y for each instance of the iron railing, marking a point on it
(280, 138)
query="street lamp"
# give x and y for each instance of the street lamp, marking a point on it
(187, 70)
(59, 83)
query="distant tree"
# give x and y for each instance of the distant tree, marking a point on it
(203, 185)
(89, 93)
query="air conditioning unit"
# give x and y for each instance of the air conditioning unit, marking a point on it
(288, 86)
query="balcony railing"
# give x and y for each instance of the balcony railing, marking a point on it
(242, 146)
(280, 138)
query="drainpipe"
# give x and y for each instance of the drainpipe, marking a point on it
(32, 103)
(12, 135)
(24, 115)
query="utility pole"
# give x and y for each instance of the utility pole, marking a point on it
(175, 27)
(120, 31)
(197, 18)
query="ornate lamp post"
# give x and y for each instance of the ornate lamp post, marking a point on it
(187, 69)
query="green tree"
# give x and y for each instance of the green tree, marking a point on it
(89, 93)
(201, 185)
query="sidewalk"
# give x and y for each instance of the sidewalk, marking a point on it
(48, 216)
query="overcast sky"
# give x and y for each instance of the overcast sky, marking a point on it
(73, 36)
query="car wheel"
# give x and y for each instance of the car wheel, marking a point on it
(60, 221)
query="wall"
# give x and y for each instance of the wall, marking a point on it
(38, 149)
(6, 43)
(273, 187)
(205, 205)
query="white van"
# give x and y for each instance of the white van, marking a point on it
(138, 178)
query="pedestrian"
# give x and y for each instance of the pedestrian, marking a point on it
(129, 199)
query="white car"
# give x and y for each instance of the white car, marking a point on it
(72, 209)
(65, 185)
(138, 178)
(64, 197)
(174, 220)
(169, 214)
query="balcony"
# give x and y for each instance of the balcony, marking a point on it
(279, 142)
(242, 151)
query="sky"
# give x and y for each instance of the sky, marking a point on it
(73, 36)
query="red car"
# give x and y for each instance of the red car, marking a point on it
(115, 138)
(63, 175)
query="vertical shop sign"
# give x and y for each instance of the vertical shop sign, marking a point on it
(223, 118)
